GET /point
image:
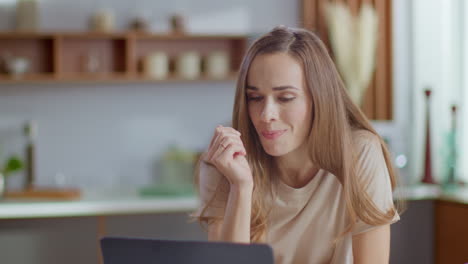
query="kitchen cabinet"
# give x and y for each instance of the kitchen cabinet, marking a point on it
(451, 232)
(57, 231)
(109, 57)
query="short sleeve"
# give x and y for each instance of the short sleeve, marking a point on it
(212, 182)
(372, 170)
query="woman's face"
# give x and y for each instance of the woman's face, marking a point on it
(279, 102)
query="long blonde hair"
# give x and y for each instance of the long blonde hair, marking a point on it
(330, 139)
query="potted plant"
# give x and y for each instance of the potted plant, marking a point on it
(12, 165)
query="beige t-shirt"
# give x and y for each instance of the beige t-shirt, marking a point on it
(304, 222)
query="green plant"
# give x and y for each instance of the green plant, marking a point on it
(13, 164)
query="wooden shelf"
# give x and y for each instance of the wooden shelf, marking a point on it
(103, 78)
(74, 51)
(121, 34)
(116, 57)
(38, 50)
(28, 77)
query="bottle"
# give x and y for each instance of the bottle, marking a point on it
(30, 130)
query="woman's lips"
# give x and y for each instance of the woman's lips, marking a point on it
(273, 134)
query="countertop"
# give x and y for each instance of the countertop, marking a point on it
(457, 194)
(129, 202)
(97, 203)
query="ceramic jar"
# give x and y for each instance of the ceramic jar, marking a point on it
(156, 65)
(217, 65)
(188, 65)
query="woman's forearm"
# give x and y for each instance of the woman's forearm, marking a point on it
(236, 224)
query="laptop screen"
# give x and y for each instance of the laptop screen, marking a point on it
(120, 250)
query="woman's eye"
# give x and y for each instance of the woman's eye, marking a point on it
(286, 99)
(254, 98)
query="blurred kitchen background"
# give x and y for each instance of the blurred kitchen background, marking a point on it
(110, 144)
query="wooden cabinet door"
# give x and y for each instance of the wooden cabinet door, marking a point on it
(451, 232)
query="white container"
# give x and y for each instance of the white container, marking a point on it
(188, 65)
(156, 65)
(17, 66)
(26, 15)
(103, 21)
(217, 65)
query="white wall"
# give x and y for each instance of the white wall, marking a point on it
(437, 64)
(201, 15)
(397, 130)
(105, 134)
(463, 169)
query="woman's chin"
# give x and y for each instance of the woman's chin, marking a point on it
(275, 151)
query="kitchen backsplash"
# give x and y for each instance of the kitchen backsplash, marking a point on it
(110, 134)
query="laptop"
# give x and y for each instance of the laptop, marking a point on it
(122, 250)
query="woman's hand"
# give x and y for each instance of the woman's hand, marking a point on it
(227, 153)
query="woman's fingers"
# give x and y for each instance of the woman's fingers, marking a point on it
(228, 129)
(232, 151)
(221, 131)
(221, 146)
(223, 135)
(219, 135)
(233, 140)
(226, 154)
(215, 158)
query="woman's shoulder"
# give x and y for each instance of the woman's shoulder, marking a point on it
(364, 139)
(368, 150)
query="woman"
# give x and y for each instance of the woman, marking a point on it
(301, 169)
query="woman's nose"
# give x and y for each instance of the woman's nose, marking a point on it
(269, 112)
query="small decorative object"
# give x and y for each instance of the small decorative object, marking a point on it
(217, 65)
(177, 24)
(188, 65)
(90, 62)
(176, 175)
(452, 157)
(177, 166)
(16, 66)
(138, 24)
(14, 164)
(156, 65)
(26, 15)
(427, 178)
(354, 43)
(140, 20)
(103, 21)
